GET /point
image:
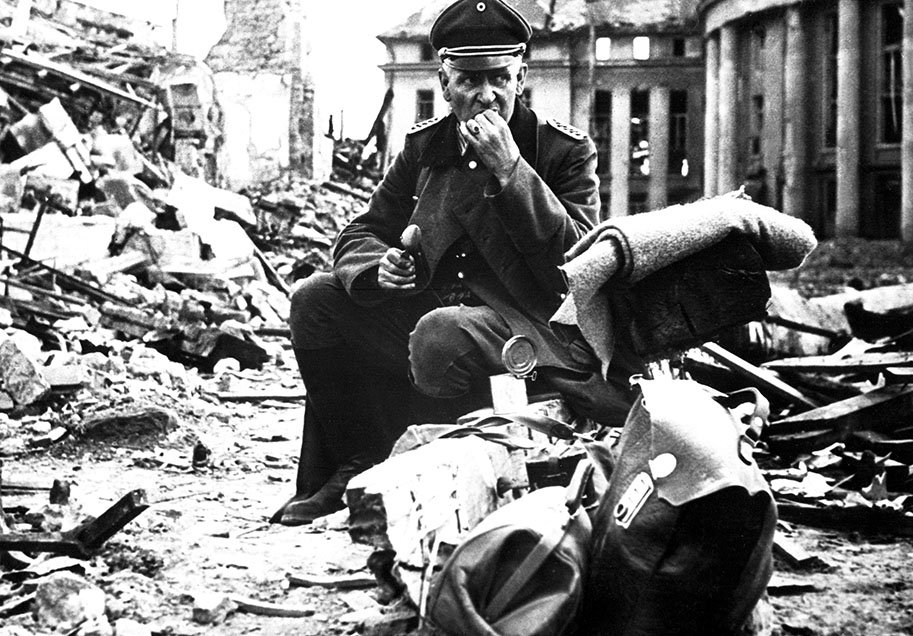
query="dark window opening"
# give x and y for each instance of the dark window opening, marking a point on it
(756, 133)
(678, 47)
(640, 132)
(830, 81)
(427, 52)
(827, 207)
(602, 130)
(424, 105)
(891, 78)
(678, 132)
(760, 36)
(884, 220)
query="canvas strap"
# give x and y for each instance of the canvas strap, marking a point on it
(544, 547)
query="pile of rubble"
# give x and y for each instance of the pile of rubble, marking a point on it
(837, 369)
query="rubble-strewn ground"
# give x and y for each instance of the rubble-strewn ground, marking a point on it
(206, 527)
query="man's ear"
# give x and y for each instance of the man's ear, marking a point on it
(521, 78)
(445, 83)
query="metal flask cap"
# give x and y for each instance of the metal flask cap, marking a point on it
(519, 356)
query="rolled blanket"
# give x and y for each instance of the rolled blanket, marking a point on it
(627, 249)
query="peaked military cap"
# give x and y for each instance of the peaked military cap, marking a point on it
(479, 34)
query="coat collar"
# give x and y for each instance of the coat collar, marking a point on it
(443, 148)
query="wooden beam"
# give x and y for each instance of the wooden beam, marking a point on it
(847, 364)
(835, 422)
(764, 379)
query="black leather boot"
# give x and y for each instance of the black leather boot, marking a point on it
(353, 415)
(327, 500)
(315, 465)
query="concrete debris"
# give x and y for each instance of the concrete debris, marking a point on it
(212, 608)
(64, 601)
(21, 378)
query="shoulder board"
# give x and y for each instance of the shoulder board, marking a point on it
(422, 125)
(567, 129)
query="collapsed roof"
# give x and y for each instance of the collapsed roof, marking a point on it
(568, 16)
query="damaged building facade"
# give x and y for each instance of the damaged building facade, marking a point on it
(262, 77)
(811, 93)
(800, 102)
(629, 73)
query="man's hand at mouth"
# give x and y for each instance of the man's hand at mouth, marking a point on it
(490, 137)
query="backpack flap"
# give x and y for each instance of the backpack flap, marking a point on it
(690, 445)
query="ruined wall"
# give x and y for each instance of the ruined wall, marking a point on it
(261, 72)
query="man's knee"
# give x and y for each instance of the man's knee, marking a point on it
(313, 304)
(453, 348)
(434, 345)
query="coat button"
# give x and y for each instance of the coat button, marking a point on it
(473, 165)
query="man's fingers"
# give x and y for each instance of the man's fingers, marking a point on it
(397, 270)
(491, 116)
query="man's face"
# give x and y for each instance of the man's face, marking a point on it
(472, 92)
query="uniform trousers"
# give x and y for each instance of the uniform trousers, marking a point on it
(371, 371)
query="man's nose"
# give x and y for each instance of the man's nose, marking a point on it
(486, 93)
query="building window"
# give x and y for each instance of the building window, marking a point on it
(756, 132)
(640, 132)
(427, 54)
(884, 220)
(830, 81)
(641, 48)
(602, 130)
(678, 47)
(891, 79)
(827, 206)
(424, 105)
(603, 49)
(678, 132)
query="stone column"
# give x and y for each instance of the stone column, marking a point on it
(728, 156)
(712, 115)
(848, 69)
(795, 120)
(906, 158)
(659, 148)
(621, 151)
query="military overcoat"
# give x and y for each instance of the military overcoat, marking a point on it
(521, 230)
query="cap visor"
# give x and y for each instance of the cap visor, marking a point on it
(480, 62)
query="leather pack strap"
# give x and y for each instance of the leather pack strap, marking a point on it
(545, 546)
(756, 421)
(541, 423)
(524, 572)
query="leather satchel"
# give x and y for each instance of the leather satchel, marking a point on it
(521, 571)
(683, 536)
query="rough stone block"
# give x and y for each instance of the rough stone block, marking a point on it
(21, 376)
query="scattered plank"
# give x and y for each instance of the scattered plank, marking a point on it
(342, 582)
(263, 608)
(865, 362)
(848, 518)
(821, 427)
(795, 554)
(292, 395)
(84, 540)
(782, 586)
(764, 379)
(94, 533)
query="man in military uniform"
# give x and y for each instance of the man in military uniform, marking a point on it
(396, 336)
